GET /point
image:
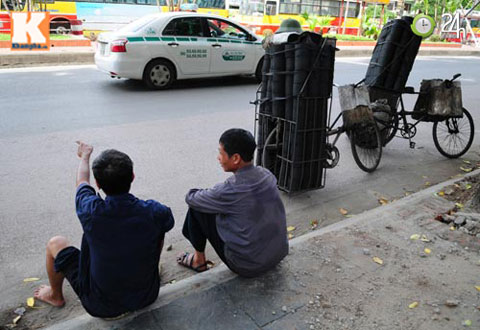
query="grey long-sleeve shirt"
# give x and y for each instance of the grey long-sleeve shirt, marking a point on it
(250, 219)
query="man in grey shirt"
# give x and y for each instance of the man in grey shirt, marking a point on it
(242, 218)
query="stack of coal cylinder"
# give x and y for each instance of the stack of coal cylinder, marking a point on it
(296, 85)
(392, 60)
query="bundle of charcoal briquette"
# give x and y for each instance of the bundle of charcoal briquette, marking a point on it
(392, 60)
(296, 85)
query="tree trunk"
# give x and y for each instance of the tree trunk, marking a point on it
(400, 7)
(362, 19)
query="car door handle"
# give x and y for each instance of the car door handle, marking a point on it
(173, 44)
(216, 45)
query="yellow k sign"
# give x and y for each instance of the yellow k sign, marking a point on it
(30, 31)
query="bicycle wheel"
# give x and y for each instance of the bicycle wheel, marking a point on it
(387, 124)
(268, 159)
(391, 130)
(454, 136)
(366, 146)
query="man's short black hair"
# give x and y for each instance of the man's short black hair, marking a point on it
(238, 141)
(113, 171)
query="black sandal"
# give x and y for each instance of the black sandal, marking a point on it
(183, 261)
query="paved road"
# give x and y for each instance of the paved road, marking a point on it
(171, 136)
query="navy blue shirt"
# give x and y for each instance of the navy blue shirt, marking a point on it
(120, 251)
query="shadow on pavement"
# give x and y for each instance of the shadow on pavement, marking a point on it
(131, 85)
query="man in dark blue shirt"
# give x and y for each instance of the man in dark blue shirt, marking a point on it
(116, 270)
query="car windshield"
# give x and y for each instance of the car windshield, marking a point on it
(138, 24)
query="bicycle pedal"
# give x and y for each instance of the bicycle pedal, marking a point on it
(412, 145)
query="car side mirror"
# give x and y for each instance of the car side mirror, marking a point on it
(250, 38)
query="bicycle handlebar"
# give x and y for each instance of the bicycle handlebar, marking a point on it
(360, 82)
(455, 76)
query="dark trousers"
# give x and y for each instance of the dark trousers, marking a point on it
(200, 227)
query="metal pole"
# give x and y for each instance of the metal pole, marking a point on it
(382, 15)
(473, 8)
(340, 16)
(345, 18)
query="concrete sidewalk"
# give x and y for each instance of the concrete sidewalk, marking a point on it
(362, 273)
(85, 55)
(56, 56)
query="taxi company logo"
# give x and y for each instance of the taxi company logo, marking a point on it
(233, 55)
(30, 31)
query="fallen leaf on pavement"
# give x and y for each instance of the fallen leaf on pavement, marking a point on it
(459, 205)
(31, 279)
(451, 303)
(314, 224)
(427, 251)
(290, 236)
(466, 169)
(407, 193)
(452, 228)
(441, 193)
(466, 161)
(427, 183)
(414, 237)
(20, 311)
(468, 186)
(467, 323)
(413, 304)
(30, 302)
(290, 228)
(477, 287)
(378, 260)
(15, 320)
(424, 238)
(439, 217)
(383, 201)
(343, 211)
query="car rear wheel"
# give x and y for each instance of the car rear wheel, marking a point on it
(159, 74)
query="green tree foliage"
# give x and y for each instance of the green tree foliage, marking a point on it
(313, 21)
(371, 13)
(371, 23)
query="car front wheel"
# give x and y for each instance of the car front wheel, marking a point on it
(159, 74)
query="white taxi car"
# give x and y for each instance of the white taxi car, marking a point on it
(161, 48)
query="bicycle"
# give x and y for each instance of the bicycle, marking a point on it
(452, 135)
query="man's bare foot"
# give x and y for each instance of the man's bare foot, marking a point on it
(44, 293)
